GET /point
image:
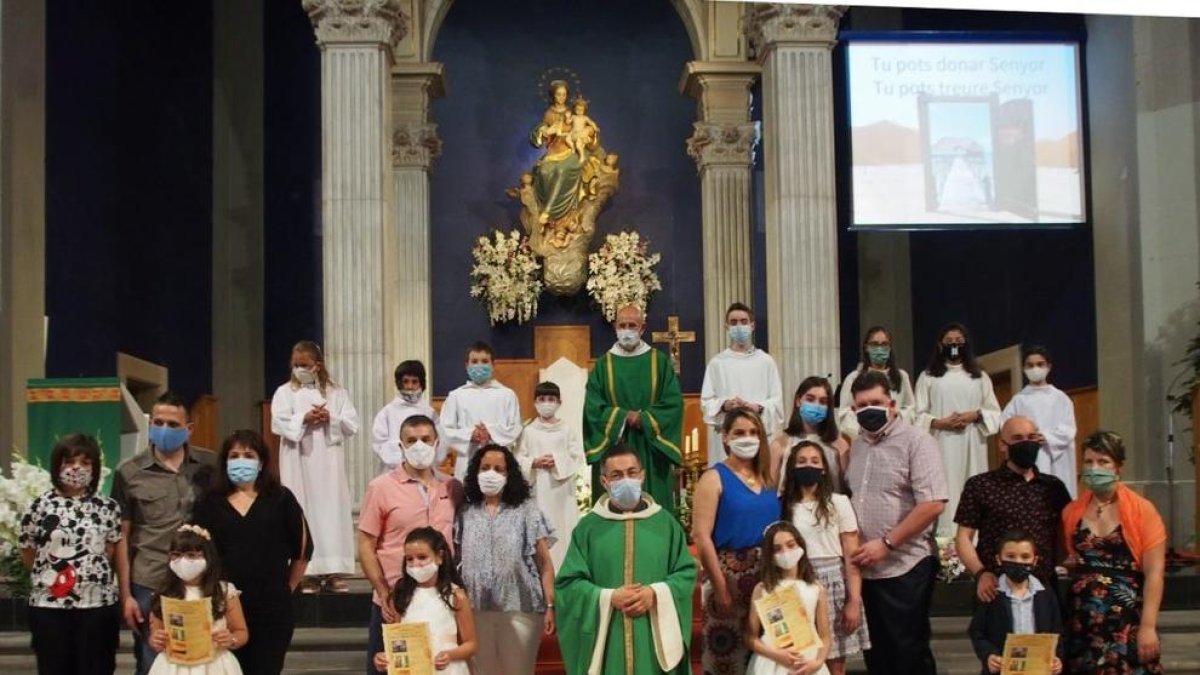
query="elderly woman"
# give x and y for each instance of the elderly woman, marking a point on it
(504, 541)
(1117, 541)
(734, 502)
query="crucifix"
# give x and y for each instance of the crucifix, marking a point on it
(673, 337)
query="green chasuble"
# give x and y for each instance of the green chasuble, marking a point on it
(611, 549)
(619, 384)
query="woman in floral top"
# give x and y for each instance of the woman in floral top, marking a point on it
(68, 540)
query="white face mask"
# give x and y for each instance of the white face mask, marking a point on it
(75, 477)
(628, 338)
(411, 396)
(745, 447)
(491, 482)
(422, 573)
(188, 570)
(1037, 375)
(419, 455)
(789, 559)
(546, 409)
(304, 375)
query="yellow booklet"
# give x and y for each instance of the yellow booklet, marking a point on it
(784, 619)
(189, 630)
(409, 649)
(1029, 654)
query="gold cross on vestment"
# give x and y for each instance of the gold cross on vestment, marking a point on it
(673, 337)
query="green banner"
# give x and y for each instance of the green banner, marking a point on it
(86, 405)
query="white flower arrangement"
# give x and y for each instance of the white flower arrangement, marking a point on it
(583, 490)
(950, 566)
(622, 273)
(506, 277)
(17, 490)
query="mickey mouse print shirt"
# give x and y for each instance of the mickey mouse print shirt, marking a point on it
(69, 536)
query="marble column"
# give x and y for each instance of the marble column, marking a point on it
(356, 203)
(407, 274)
(793, 42)
(723, 144)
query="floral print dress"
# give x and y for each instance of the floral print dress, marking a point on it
(1105, 608)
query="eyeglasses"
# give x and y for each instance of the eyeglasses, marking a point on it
(187, 555)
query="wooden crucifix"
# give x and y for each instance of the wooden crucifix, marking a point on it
(672, 337)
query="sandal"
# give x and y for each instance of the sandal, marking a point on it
(310, 587)
(336, 585)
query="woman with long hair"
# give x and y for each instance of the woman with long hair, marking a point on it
(733, 502)
(877, 355)
(957, 406)
(261, 534)
(812, 420)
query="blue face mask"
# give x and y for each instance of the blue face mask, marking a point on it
(242, 469)
(740, 334)
(625, 493)
(813, 413)
(479, 372)
(166, 439)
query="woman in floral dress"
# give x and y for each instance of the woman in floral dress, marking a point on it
(1118, 545)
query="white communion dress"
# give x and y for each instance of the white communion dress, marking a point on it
(809, 595)
(223, 662)
(428, 607)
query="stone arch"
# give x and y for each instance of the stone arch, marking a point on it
(691, 12)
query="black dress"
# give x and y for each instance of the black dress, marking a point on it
(257, 550)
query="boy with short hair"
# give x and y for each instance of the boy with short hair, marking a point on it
(551, 454)
(410, 400)
(479, 412)
(1023, 605)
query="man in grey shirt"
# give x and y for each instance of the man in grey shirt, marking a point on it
(156, 490)
(898, 490)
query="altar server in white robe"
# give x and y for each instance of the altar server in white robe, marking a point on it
(957, 406)
(1053, 412)
(313, 418)
(410, 400)
(741, 376)
(550, 453)
(480, 412)
(877, 355)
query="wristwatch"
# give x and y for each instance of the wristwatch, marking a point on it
(888, 543)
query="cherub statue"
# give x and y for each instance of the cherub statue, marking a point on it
(525, 193)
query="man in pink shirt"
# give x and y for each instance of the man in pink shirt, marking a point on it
(412, 495)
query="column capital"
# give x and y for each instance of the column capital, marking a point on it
(714, 144)
(721, 88)
(356, 21)
(769, 25)
(415, 144)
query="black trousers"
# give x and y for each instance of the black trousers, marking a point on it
(75, 641)
(270, 637)
(898, 618)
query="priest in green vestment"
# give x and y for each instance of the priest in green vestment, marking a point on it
(624, 593)
(633, 397)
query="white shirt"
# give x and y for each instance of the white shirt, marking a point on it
(824, 540)
(385, 432)
(1054, 414)
(491, 403)
(752, 376)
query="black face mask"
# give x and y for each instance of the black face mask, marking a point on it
(806, 476)
(872, 419)
(954, 352)
(1024, 453)
(1016, 571)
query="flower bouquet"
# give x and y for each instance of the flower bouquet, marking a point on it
(25, 482)
(950, 566)
(622, 273)
(506, 277)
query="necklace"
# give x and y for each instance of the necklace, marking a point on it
(1101, 505)
(746, 476)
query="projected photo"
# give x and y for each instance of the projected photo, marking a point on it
(965, 134)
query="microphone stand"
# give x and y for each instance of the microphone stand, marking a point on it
(1173, 559)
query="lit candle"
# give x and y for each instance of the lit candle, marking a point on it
(696, 439)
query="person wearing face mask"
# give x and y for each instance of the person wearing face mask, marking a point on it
(956, 405)
(812, 421)
(1015, 496)
(898, 490)
(733, 502)
(1117, 544)
(742, 376)
(504, 547)
(551, 454)
(313, 418)
(480, 412)
(411, 496)
(156, 489)
(68, 538)
(633, 398)
(1053, 412)
(876, 355)
(410, 400)
(263, 539)
(1023, 605)
(629, 559)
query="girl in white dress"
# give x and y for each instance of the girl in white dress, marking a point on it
(877, 354)
(195, 575)
(313, 417)
(957, 406)
(428, 593)
(788, 567)
(812, 420)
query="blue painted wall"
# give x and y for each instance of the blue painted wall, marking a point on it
(129, 188)
(629, 55)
